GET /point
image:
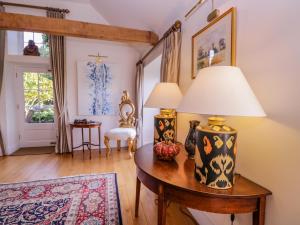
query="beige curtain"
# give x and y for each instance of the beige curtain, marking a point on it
(2, 51)
(170, 63)
(57, 58)
(139, 93)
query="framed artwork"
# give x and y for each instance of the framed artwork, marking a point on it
(95, 89)
(215, 44)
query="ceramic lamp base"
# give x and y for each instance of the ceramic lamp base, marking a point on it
(164, 128)
(215, 155)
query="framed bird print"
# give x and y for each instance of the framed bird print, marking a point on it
(215, 44)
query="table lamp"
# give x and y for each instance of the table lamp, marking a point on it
(167, 97)
(218, 90)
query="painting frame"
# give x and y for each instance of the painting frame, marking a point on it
(232, 13)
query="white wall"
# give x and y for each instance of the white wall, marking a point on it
(268, 53)
(15, 46)
(151, 78)
(122, 56)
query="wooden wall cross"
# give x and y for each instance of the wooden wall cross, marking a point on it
(20, 22)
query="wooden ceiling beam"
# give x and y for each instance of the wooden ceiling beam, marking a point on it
(20, 22)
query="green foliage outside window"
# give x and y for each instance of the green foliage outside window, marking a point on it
(38, 95)
(44, 49)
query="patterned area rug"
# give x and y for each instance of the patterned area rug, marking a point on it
(88, 200)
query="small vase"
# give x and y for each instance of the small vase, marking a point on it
(190, 141)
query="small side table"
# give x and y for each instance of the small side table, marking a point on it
(89, 143)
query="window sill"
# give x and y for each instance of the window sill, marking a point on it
(27, 59)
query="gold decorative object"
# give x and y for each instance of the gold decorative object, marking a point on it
(99, 58)
(213, 15)
(198, 4)
(126, 130)
(127, 111)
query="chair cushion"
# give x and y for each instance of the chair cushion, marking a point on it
(121, 133)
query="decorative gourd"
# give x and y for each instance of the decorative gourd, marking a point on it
(166, 150)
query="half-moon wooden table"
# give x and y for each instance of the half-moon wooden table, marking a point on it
(174, 181)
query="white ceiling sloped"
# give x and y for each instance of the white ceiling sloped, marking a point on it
(154, 15)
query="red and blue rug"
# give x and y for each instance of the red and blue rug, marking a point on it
(88, 200)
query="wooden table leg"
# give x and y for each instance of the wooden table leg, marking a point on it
(259, 215)
(90, 142)
(162, 206)
(137, 196)
(99, 139)
(72, 146)
(82, 139)
(119, 145)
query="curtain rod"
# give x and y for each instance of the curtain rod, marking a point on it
(200, 2)
(175, 27)
(34, 7)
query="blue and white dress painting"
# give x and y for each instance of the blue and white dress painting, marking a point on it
(94, 89)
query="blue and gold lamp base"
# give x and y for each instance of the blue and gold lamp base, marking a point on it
(215, 154)
(165, 126)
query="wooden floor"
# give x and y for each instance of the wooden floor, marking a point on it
(35, 167)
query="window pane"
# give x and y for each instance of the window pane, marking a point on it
(38, 97)
(41, 41)
(46, 98)
(30, 81)
(46, 82)
(39, 45)
(47, 114)
(44, 50)
(32, 106)
(38, 38)
(28, 36)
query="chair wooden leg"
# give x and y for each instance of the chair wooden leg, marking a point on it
(119, 145)
(135, 145)
(130, 145)
(106, 142)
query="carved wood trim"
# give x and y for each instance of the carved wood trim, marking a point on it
(127, 118)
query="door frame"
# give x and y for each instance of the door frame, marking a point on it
(23, 126)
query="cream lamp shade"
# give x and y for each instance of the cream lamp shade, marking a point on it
(164, 95)
(221, 90)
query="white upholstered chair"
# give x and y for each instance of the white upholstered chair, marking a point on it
(126, 130)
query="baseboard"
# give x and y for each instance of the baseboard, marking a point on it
(11, 149)
(188, 213)
(201, 217)
(36, 143)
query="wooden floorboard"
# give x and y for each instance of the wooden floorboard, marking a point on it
(37, 167)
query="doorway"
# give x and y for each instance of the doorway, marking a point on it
(35, 105)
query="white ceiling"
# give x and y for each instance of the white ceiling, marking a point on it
(155, 15)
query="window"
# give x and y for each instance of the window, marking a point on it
(38, 97)
(41, 40)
